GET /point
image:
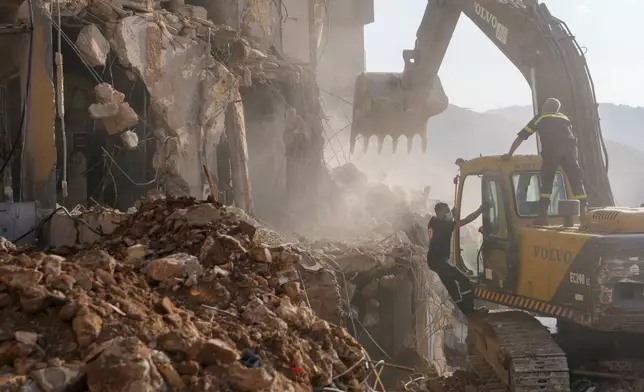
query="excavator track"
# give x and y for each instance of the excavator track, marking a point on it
(520, 351)
(489, 381)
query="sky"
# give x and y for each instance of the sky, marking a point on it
(476, 75)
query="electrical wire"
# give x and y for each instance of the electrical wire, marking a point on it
(27, 90)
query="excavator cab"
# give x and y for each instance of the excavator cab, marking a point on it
(510, 190)
(588, 273)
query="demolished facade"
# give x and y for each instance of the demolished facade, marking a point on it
(153, 92)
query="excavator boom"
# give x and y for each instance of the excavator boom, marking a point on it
(538, 44)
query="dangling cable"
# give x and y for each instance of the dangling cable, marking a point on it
(60, 100)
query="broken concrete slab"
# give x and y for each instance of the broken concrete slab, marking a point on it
(92, 45)
(116, 114)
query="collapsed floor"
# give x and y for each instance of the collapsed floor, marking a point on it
(190, 296)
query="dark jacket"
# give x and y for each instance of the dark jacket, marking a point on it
(554, 129)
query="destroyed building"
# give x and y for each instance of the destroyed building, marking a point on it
(103, 102)
(150, 93)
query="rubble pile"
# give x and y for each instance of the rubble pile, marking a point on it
(460, 381)
(181, 296)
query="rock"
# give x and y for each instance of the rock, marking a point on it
(105, 93)
(63, 283)
(129, 139)
(124, 366)
(231, 243)
(198, 215)
(213, 351)
(174, 342)
(137, 252)
(59, 379)
(256, 312)
(178, 265)
(108, 98)
(166, 306)
(14, 276)
(212, 253)
(246, 379)
(68, 311)
(100, 111)
(87, 326)
(52, 265)
(105, 277)
(292, 289)
(23, 366)
(171, 376)
(26, 337)
(93, 47)
(297, 316)
(11, 382)
(33, 299)
(189, 368)
(6, 245)
(262, 254)
(97, 259)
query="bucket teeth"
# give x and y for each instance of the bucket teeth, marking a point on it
(365, 143)
(366, 139)
(423, 142)
(352, 143)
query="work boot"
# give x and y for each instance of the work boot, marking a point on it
(542, 219)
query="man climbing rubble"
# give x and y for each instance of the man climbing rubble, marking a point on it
(559, 148)
(440, 228)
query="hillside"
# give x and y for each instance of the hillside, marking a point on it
(620, 123)
(464, 133)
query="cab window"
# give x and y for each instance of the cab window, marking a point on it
(494, 216)
(526, 192)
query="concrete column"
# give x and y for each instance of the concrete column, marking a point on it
(236, 136)
(39, 164)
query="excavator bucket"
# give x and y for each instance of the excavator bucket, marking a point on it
(382, 106)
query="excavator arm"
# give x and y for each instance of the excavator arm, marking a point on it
(537, 43)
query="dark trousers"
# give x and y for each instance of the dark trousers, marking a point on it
(456, 282)
(566, 156)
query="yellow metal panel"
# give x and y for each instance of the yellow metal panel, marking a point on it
(545, 256)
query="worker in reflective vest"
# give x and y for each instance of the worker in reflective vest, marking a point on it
(558, 148)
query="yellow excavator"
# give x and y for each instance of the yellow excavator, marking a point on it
(587, 276)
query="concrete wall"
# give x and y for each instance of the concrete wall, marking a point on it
(343, 43)
(296, 40)
(345, 46)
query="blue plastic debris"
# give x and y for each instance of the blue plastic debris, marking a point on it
(250, 359)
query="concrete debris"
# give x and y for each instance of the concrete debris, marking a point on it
(121, 325)
(129, 139)
(92, 45)
(116, 114)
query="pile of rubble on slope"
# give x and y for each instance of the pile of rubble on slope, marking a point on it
(182, 296)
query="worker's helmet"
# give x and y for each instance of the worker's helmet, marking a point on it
(551, 105)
